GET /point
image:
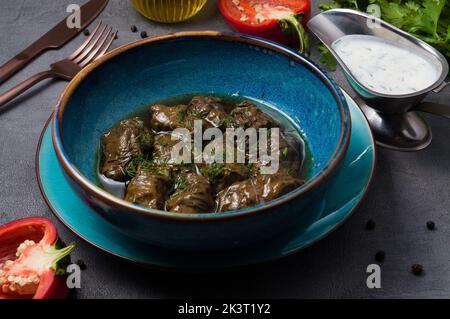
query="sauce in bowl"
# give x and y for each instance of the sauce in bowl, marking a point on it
(385, 66)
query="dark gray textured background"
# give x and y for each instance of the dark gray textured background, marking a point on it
(408, 189)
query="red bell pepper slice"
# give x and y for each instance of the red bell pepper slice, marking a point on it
(30, 260)
(282, 21)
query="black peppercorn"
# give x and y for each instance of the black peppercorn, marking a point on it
(143, 34)
(86, 32)
(431, 225)
(417, 269)
(370, 225)
(134, 29)
(379, 256)
(81, 264)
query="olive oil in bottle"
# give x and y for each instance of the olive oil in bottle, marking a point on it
(168, 11)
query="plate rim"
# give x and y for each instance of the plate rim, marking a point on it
(183, 268)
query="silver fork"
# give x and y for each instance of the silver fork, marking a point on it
(95, 46)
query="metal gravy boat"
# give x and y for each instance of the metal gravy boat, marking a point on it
(391, 117)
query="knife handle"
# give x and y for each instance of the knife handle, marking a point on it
(19, 61)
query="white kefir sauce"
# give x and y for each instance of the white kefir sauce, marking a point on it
(385, 66)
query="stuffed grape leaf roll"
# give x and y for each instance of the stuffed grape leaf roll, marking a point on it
(260, 189)
(149, 188)
(167, 118)
(193, 195)
(125, 141)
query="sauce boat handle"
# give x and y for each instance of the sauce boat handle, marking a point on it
(442, 86)
(433, 108)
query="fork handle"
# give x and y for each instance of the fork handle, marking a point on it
(25, 85)
(19, 61)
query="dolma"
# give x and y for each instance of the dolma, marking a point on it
(237, 196)
(149, 189)
(128, 139)
(208, 108)
(223, 175)
(167, 118)
(246, 115)
(163, 145)
(193, 195)
(260, 189)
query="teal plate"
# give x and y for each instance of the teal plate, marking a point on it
(342, 198)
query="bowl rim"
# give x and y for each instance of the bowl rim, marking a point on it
(328, 168)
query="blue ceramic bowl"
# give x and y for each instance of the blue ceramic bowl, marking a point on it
(201, 62)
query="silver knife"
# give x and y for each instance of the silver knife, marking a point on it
(53, 39)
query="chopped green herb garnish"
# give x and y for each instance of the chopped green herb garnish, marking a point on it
(146, 166)
(182, 115)
(197, 114)
(162, 142)
(213, 172)
(142, 163)
(139, 122)
(229, 121)
(164, 173)
(285, 152)
(138, 162)
(145, 138)
(181, 185)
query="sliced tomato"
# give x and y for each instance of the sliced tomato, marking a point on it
(29, 260)
(283, 21)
